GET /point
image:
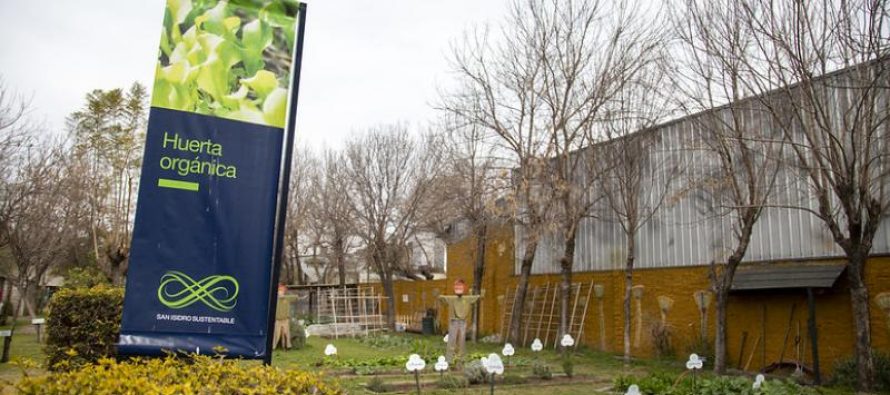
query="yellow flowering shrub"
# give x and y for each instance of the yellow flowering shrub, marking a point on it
(198, 375)
(82, 326)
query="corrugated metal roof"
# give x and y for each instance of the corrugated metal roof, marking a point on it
(785, 276)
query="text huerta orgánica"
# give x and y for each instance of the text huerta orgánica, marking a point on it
(201, 163)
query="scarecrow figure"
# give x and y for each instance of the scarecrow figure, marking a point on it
(459, 309)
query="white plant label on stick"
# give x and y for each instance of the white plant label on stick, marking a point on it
(493, 364)
(537, 345)
(694, 362)
(758, 381)
(567, 340)
(441, 364)
(415, 363)
(633, 390)
(508, 350)
(445, 339)
(330, 350)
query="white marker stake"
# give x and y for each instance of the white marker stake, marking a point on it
(415, 364)
(694, 363)
(494, 366)
(441, 365)
(508, 351)
(330, 350)
(758, 381)
(537, 345)
(633, 390)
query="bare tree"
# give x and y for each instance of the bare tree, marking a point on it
(740, 152)
(303, 170)
(391, 173)
(41, 227)
(333, 208)
(14, 142)
(637, 176)
(824, 65)
(467, 191)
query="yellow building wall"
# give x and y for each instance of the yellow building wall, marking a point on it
(745, 313)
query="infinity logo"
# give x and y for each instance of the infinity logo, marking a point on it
(177, 290)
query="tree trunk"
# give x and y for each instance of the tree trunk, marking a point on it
(388, 288)
(478, 273)
(720, 330)
(722, 291)
(628, 284)
(528, 257)
(565, 286)
(338, 255)
(861, 322)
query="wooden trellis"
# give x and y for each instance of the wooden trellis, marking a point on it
(355, 306)
(540, 316)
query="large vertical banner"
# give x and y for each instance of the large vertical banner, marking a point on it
(201, 263)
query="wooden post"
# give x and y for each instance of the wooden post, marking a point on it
(814, 335)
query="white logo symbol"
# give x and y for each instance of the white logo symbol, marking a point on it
(567, 340)
(493, 364)
(415, 363)
(508, 350)
(537, 345)
(694, 362)
(441, 365)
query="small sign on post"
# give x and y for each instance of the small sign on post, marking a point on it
(494, 366)
(38, 322)
(7, 340)
(415, 364)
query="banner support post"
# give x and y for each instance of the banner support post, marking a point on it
(284, 191)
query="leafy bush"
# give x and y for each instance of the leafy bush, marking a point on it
(541, 371)
(297, 335)
(84, 277)
(475, 373)
(377, 385)
(568, 366)
(201, 374)
(845, 372)
(82, 326)
(452, 382)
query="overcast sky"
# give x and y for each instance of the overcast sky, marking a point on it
(364, 62)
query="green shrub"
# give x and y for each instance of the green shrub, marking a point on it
(541, 371)
(82, 326)
(568, 366)
(198, 375)
(84, 277)
(450, 382)
(845, 372)
(297, 335)
(475, 373)
(377, 385)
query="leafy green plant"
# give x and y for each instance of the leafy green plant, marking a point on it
(568, 366)
(227, 59)
(297, 335)
(475, 373)
(82, 326)
(541, 371)
(667, 384)
(200, 374)
(452, 382)
(84, 277)
(376, 384)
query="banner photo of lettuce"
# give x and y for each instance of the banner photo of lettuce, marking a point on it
(229, 59)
